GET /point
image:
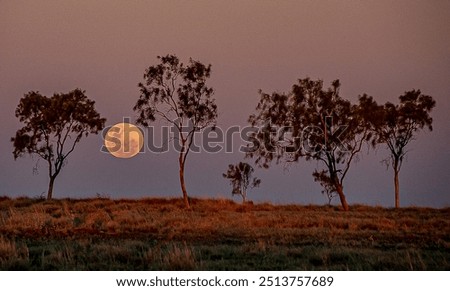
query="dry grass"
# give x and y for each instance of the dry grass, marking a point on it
(158, 234)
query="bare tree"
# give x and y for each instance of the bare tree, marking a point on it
(177, 93)
(54, 126)
(316, 124)
(399, 127)
(241, 179)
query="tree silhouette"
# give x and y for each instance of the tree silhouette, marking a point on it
(399, 126)
(53, 126)
(240, 176)
(177, 93)
(316, 124)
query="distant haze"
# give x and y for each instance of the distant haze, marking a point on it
(381, 48)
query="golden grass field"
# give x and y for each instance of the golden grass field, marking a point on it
(159, 234)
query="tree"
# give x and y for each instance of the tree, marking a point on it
(240, 176)
(313, 123)
(177, 93)
(399, 127)
(53, 126)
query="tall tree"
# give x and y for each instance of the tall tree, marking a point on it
(316, 124)
(241, 179)
(177, 93)
(399, 127)
(53, 126)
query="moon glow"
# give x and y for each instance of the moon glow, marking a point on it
(124, 140)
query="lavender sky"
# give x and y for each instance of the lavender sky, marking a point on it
(381, 48)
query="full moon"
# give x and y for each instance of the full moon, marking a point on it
(124, 140)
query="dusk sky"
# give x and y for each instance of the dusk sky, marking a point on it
(382, 48)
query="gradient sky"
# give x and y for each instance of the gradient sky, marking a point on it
(381, 48)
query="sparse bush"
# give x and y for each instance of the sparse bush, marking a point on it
(240, 176)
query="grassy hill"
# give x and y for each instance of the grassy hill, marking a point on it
(158, 234)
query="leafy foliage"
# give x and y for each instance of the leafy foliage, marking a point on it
(401, 122)
(53, 126)
(174, 91)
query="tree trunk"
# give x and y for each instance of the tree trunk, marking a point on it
(396, 185)
(340, 191)
(50, 188)
(183, 186)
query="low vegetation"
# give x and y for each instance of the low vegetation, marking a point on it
(160, 234)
